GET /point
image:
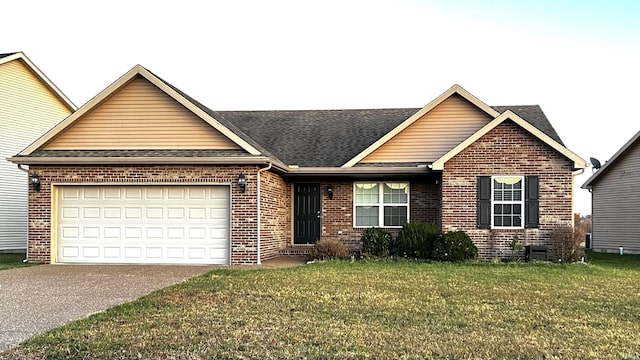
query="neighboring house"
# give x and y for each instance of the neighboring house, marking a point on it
(143, 173)
(30, 104)
(615, 201)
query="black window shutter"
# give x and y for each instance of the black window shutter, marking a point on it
(531, 203)
(484, 202)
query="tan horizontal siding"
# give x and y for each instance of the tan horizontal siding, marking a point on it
(140, 116)
(434, 134)
(28, 109)
(616, 204)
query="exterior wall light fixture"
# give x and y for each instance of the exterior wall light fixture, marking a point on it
(34, 180)
(330, 192)
(242, 183)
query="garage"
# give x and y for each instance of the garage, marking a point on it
(151, 224)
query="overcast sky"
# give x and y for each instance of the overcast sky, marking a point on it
(578, 60)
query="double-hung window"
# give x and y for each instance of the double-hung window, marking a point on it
(508, 201)
(383, 204)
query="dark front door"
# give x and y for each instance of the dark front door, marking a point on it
(306, 217)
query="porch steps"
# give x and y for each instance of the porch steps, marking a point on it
(296, 250)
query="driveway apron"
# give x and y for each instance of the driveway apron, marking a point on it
(39, 298)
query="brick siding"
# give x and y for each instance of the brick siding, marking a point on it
(275, 214)
(506, 150)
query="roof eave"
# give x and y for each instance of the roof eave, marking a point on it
(589, 183)
(354, 171)
(112, 160)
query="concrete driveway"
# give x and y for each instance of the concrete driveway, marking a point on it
(38, 298)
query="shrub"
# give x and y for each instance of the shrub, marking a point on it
(416, 240)
(567, 242)
(329, 249)
(376, 242)
(516, 246)
(454, 246)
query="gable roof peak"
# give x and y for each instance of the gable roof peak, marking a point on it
(8, 57)
(608, 163)
(455, 89)
(164, 86)
(578, 162)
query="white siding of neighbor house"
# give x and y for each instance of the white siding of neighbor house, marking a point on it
(616, 205)
(28, 108)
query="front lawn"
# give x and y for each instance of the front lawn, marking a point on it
(374, 310)
(12, 260)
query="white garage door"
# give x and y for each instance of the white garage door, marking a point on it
(143, 224)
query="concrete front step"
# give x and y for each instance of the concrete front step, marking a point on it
(296, 250)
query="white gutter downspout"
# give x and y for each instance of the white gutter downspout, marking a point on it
(258, 238)
(573, 179)
(26, 253)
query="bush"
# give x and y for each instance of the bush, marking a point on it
(567, 242)
(329, 249)
(416, 240)
(454, 246)
(376, 242)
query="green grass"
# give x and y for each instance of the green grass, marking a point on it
(12, 260)
(373, 310)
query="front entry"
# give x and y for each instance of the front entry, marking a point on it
(306, 217)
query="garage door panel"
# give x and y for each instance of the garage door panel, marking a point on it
(91, 252)
(91, 232)
(197, 213)
(112, 252)
(197, 194)
(175, 194)
(133, 213)
(70, 193)
(112, 232)
(197, 253)
(70, 213)
(70, 232)
(154, 193)
(154, 252)
(112, 193)
(111, 213)
(175, 213)
(143, 224)
(71, 252)
(155, 213)
(90, 193)
(133, 193)
(155, 233)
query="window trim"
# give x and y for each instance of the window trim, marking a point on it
(522, 202)
(380, 204)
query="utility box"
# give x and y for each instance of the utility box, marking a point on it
(536, 252)
(587, 241)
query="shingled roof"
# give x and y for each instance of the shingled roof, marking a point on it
(6, 54)
(330, 138)
(535, 116)
(306, 138)
(317, 138)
